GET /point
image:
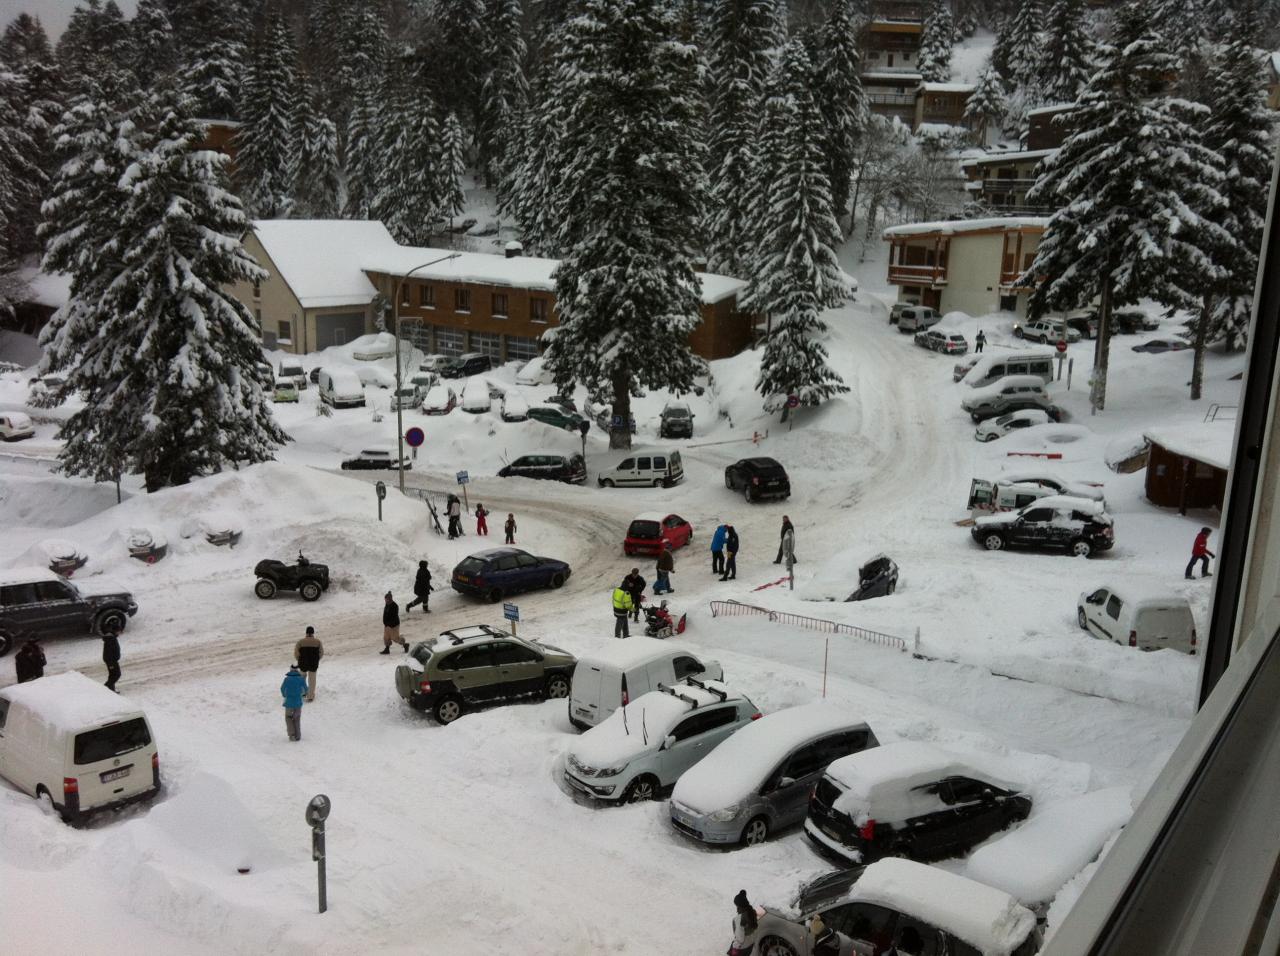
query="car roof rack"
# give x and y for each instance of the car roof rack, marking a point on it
(723, 695)
(675, 693)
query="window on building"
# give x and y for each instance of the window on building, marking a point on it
(462, 300)
(500, 304)
(521, 348)
(487, 343)
(257, 288)
(450, 341)
(427, 296)
(404, 293)
(284, 333)
(257, 317)
(537, 310)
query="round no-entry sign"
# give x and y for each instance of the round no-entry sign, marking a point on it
(415, 436)
(1062, 345)
(793, 401)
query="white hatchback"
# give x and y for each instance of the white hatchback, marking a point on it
(15, 426)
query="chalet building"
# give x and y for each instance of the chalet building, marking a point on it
(968, 266)
(890, 46)
(1044, 128)
(999, 181)
(892, 93)
(1187, 465)
(220, 136)
(941, 105)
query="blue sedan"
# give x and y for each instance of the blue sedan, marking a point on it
(497, 572)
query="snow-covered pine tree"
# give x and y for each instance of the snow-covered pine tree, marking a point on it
(742, 37)
(1017, 50)
(1132, 184)
(452, 51)
(163, 355)
(985, 106)
(30, 97)
(21, 180)
(534, 159)
(267, 147)
(408, 197)
(503, 91)
(211, 37)
(795, 273)
(936, 43)
(363, 157)
(152, 43)
(452, 168)
(96, 40)
(316, 179)
(837, 92)
(626, 290)
(1066, 60)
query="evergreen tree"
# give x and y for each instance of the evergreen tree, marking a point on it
(534, 158)
(936, 42)
(164, 357)
(95, 41)
(1016, 56)
(452, 54)
(626, 289)
(361, 56)
(152, 46)
(986, 105)
(315, 172)
(24, 41)
(837, 91)
(211, 34)
(796, 273)
(30, 104)
(503, 91)
(21, 180)
(453, 167)
(363, 157)
(742, 37)
(407, 190)
(266, 135)
(1132, 184)
(1066, 60)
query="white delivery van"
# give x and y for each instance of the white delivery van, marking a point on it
(646, 469)
(987, 497)
(617, 675)
(341, 388)
(475, 396)
(68, 739)
(1149, 621)
(990, 368)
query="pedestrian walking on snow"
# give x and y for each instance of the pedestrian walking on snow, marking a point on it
(29, 662)
(111, 657)
(731, 554)
(979, 341)
(307, 652)
(482, 526)
(391, 626)
(293, 689)
(665, 568)
(510, 528)
(634, 584)
(1200, 552)
(455, 517)
(717, 549)
(787, 529)
(744, 926)
(421, 589)
(622, 608)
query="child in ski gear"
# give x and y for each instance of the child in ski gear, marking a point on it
(510, 528)
(391, 626)
(482, 526)
(307, 652)
(421, 589)
(293, 690)
(1200, 552)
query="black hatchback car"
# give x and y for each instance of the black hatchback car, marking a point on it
(758, 478)
(497, 572)
(570, 468)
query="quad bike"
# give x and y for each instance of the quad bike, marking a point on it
(306, 578)
(659, 622)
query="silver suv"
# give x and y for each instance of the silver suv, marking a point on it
(1012, 393)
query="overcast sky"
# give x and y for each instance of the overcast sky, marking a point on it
(52, 13)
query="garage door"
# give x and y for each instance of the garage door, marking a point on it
(338, 328)
(450, 341)
(418, 333)
(521, 348)
(488, 343)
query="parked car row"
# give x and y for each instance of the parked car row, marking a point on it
(1013, 393)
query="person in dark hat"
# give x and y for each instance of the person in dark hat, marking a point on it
(28, 663)
(421, 589)
(307, 652)
(391, 625)
(744, 926)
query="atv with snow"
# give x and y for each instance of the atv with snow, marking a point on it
(308, 579)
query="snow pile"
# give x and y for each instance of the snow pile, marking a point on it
(51, 502)
(70, 701)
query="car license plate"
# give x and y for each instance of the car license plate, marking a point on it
(582, 711)
(831, 832)
(115, 774)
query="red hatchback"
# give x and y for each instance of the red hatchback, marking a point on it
(648, 532)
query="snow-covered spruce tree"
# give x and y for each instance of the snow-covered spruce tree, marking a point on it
(452, 54)
(535, 160)
(985, 106)
(1066, 60)
(742, 36)
(152, 42)
(315, 170)
(164, 357)
(795, 273)
(1131, 185)
(21, 181)
(626, 289)
(503, 89)
(452, 167)
(29, 105)
(265, 139)
(936, 42)
(211, 36)
(837, 92)
(407, 197)
(1016, 55)
(363, 157)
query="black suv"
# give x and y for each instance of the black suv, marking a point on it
(480, 664)
(36, 603)
(676, 421)
(758, 478)
(1059, 522)
(473, 363)
(570, 468)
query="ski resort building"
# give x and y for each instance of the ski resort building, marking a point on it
(968, 266)
(942, 104)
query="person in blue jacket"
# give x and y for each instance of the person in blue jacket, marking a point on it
(293, 690)
(717, 549)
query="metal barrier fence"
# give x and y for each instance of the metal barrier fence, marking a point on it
(738, 609)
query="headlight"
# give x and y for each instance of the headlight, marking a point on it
(610, 771)
(726, 815)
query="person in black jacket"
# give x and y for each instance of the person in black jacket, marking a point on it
(421, 588)
(307, 652)
(782, 537)
(29, 662)
(111, 657)
(730, 554)
(634, 584)
(391, 626)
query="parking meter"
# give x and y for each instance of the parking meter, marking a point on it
(317, 813)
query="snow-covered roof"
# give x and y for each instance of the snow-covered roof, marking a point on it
(903, 78)
(1051, 108)
(956, 227)
(1087, 505)
(1009, 156)
(26, 575)
(739, 765)
(321, 259)
(946, 88)
(71, 701)
(1209, 442)
(650, 516)
(896, 764)
(210, 121)
(986, 918)
(625, 654)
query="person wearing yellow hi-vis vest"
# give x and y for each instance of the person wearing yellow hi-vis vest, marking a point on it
(623, 605)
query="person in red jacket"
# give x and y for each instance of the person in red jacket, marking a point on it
(1200, 552)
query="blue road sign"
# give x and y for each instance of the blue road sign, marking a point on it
(511, 612)
(463, 477)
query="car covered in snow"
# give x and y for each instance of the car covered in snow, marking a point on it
(994, 428)
(758, 478)
(286, 390)
(1059, 486)
(37, 603)
(514, 408)
(758, 781)
(475, 396)
(676, 421)
(496, 572)
(478, 664)
(408, 396)
(470, 363)
(1079, 526)
(1150, 621)
(372, 375)
(621, 670)
(1045, 331)
(1010, 394)
(441, 400)
(909, 799)
(557, 417)
(649, 533)
(917, 908)
(534, 372)
(642, 749)
(295, 371)
(15, 426)
(949, 343)
(877, 578)
(376, 459)
(1158, 346)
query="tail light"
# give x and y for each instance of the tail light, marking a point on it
(424, 686)
(755, 480)
(626, 697)
(1133, 638)
(70, 785)
(757, 715)
(1193, 637)
(868, 830)
(155, 761)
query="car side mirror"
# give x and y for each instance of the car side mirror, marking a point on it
(786, 782)
(669, 742)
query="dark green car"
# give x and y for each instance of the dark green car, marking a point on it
(478, 665)
(556, 417)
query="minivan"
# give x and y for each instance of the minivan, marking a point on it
(69, 740)
(622, 671)
(651, 469)
(1010, 394)
(471, 363)
(294, 371)
(341, 388)
(917, 318)
(991, 368)
(986, 497)
(1146, 621)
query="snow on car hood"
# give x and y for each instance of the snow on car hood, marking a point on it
(622, 736)
(99, 587)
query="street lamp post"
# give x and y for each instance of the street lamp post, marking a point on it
(395, 316)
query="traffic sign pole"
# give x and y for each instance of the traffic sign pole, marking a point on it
(463, 478)
(512, 613)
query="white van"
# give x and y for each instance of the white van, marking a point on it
(987, 497)
(475, 396)
(1149, 621)
(617, 675)
(991, 368)
(68, 739)
(647, 469)
(341, 388)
